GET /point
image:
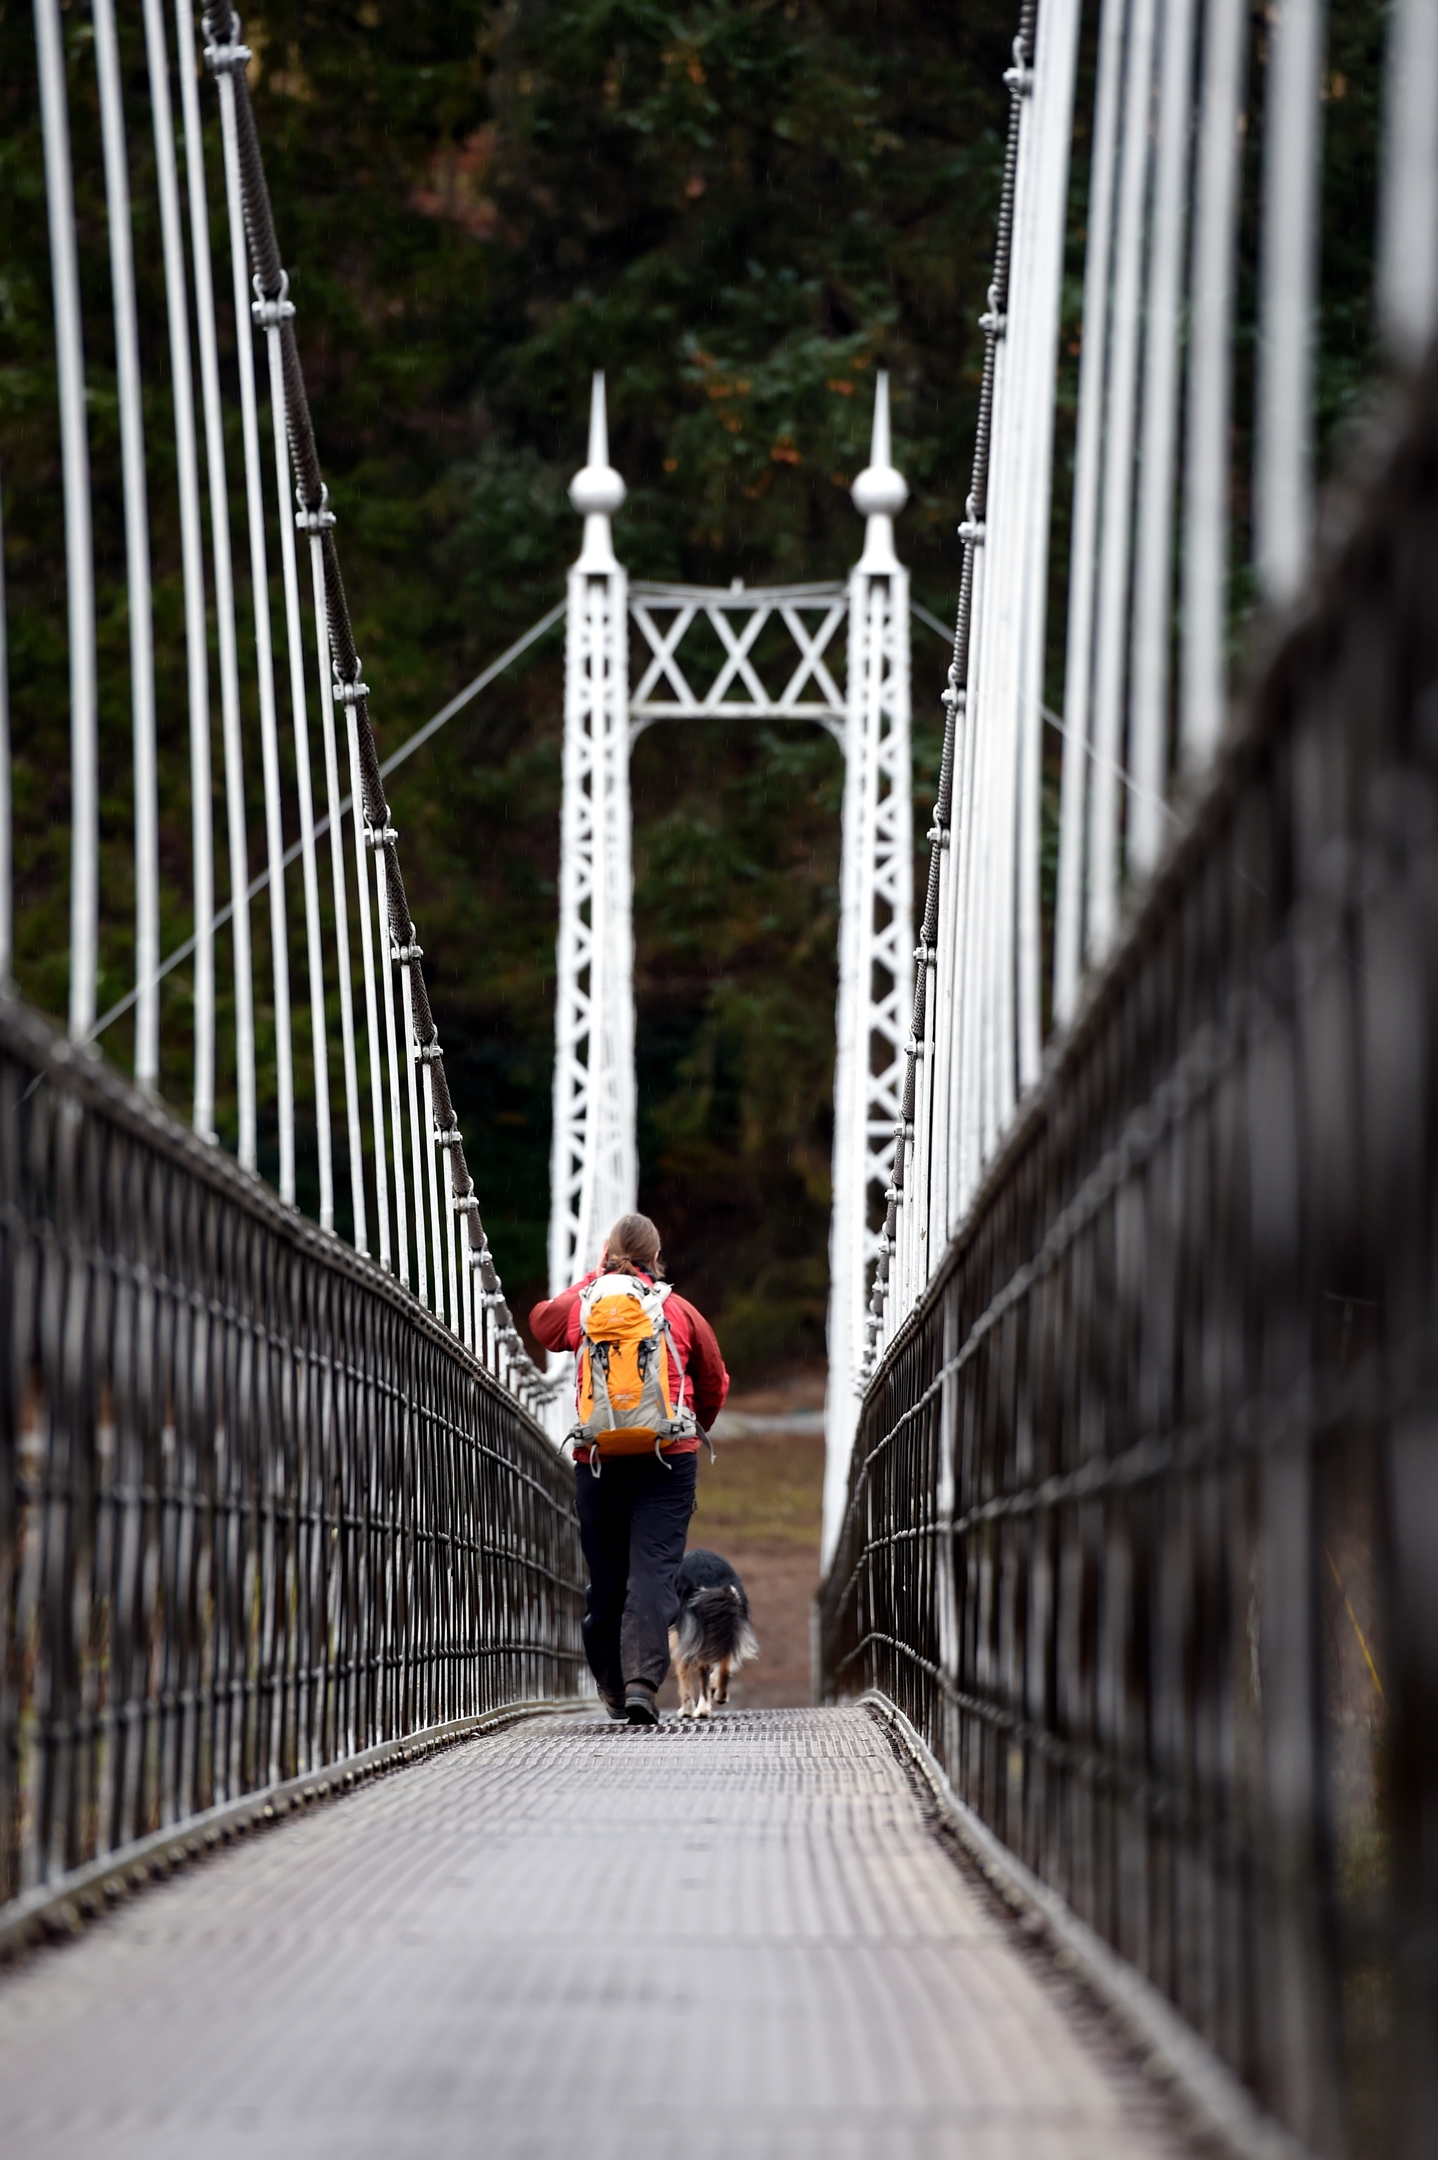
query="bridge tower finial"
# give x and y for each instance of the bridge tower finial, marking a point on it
(880, 492)
(596, 490)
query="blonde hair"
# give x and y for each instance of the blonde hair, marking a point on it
(632, 1247)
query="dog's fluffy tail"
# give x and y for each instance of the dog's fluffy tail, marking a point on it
(714, 1625)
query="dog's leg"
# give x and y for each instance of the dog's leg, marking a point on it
(721, 1681)
(701, 1708)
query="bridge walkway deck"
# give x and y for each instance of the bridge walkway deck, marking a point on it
(567, 1938)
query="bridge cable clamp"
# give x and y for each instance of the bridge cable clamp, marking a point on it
(380, 837)
(447, 1136)
(428, 1054)
(407, 955)
(269, 313)
(314, 521)
(349, 693)
(230, 59)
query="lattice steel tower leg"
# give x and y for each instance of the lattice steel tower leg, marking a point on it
(594, 1170)
(876, 968)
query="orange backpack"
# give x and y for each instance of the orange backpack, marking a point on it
(630, 1380)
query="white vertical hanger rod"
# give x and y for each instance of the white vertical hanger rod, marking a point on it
(137, 548)
(224, 585)
(79, 550)
(1203, 697)
(264, 647)
(1088, 464)
(1408, 222)
(197, 673)
(1283, 482)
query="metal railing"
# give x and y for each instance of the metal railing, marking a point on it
(1142, 1522)
(258, 1510)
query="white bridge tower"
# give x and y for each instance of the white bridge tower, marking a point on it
(595, 1172)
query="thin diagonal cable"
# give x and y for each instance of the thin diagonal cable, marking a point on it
(397, 757)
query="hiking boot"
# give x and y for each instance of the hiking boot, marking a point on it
(640, 1707)
(614, 1704)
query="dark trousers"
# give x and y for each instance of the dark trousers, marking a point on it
(633, 1522)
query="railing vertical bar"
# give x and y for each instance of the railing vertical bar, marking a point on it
(416, 1155)
(79, 546)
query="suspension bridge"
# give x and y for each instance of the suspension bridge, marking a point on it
(1112, 1827)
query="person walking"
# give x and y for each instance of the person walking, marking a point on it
(634, 1508)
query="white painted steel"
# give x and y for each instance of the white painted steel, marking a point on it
(1116, 500)
(313, 522)
(213, 411)
(137, 548)
(7, 832)
(264, 648)
(1283, 484)
(1149, 723)
(363, 832)
(594, 1164)
(1088, 466)
(79, 548)
(304, 778)
(197, 670)
(396, 1116)
(432, 1153)
(405, 955)
(1203, 692)
(1408, 222)
(876, 934)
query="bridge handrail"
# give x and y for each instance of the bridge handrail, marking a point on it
(1140, 1529)
(259, 1514)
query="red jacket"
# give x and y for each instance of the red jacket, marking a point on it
(555, 1322)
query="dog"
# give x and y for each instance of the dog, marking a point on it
(713, 1636)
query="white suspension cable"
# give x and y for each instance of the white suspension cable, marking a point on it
(304, 779)
(177, 311)
(396, 1120)
(1283, 481)
(79, 549)
(1116, 512)
(224, 586)
(264, 647)
(1162, 350)
(1088, 466)
(137, 549)
(406, 955)
(7, 832)
(432, 1174)
(313, 522)
(1203, 699)
(1408, 222)
(349, 693)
